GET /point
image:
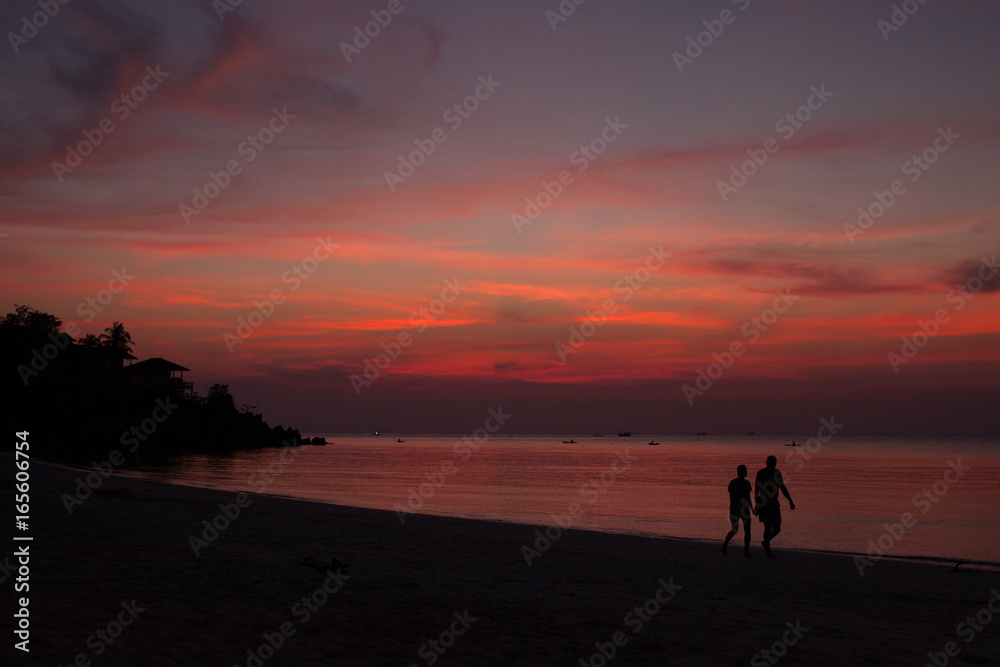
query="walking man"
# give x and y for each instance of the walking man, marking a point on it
(767, 485)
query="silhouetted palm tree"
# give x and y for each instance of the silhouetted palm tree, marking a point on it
(90, 342)
(116, 338)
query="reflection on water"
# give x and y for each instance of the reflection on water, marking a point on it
(845, 492)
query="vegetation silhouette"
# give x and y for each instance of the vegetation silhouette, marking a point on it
(116, 338)
(79, 399)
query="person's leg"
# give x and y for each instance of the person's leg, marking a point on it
(734, 521)
(746, 537)
(769, 532)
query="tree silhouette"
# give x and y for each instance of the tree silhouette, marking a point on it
(83, 386)
(220, 398)
(116, 338)
(33, 319)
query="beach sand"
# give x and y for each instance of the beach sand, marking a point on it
(409, 584)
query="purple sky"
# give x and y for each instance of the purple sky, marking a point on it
(310, 261)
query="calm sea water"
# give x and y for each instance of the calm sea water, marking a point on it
(845, 491)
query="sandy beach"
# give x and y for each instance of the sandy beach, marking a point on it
(118, 582)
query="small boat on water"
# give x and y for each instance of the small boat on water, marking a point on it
(625, 434)
(400, 440)
(653, 443)
(570, 442)
(792, 444)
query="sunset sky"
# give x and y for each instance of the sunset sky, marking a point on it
(606, 80)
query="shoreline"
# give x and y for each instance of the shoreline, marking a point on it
(404, 585)
(942, 561)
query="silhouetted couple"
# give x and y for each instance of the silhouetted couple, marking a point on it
(768, 483)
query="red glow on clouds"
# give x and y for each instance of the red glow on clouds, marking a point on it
(520, 292)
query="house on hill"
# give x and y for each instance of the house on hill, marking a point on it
(108, 360)
(159, 373)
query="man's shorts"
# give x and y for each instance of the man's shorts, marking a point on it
(770, 516)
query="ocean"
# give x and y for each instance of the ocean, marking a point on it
(924, 497)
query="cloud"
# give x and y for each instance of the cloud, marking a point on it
(75, 68)
(973, 272)
(809, 269)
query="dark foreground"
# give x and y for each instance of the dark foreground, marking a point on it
(118, 583)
